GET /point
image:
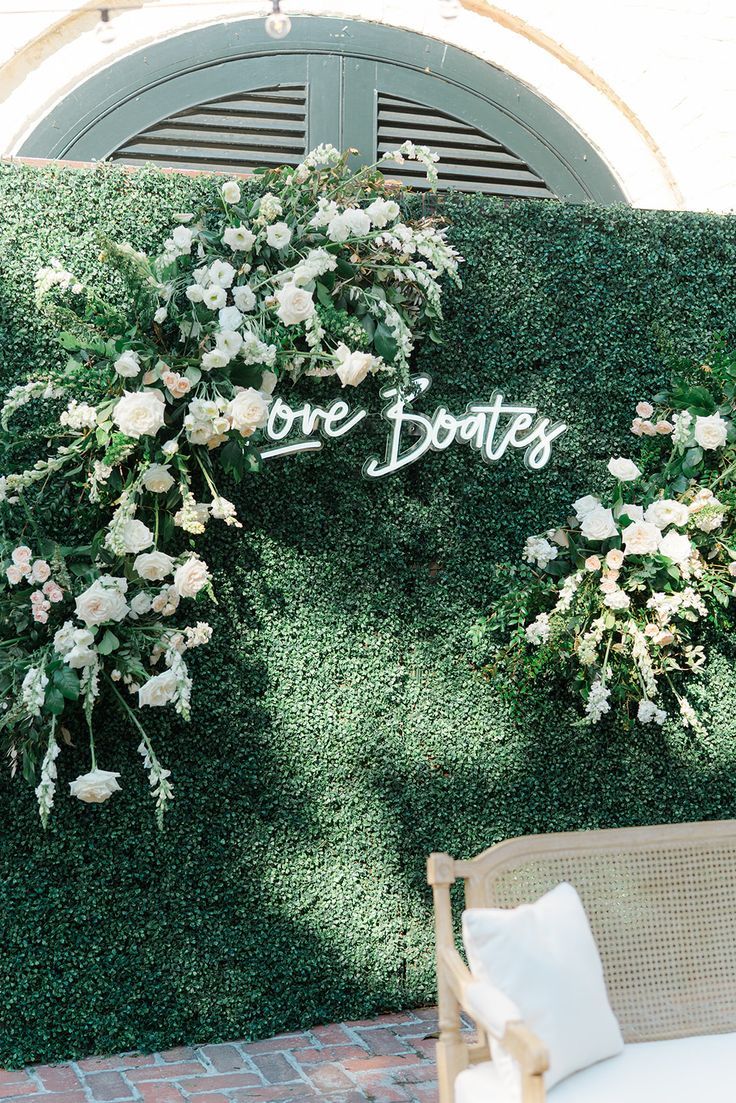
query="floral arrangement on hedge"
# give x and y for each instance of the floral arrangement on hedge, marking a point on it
(622, 592)
(313, 272)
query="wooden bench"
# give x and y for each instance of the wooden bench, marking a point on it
(662, 906)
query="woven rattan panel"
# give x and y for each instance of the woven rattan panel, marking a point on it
(664, 919)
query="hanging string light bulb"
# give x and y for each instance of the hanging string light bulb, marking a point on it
(278, 23)
(104, 30)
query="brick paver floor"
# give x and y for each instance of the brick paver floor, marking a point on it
(385, 1060)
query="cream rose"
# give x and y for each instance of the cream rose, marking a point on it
(352, 367)
(191, 576)
(644, 409)
(615, 559)
(628, 509)
(592, 563)
(598, 524)
(585, 505)
(95, 787)
(136, 536)
(294, 304)
(711, 432)
(103, 601)
(248, 411)
(622, 469)
(641, 538)
(154, 566)
(667, 511)
(128, 364)
(158, 478)
(676, 547)
(139, 413)
(159, 690)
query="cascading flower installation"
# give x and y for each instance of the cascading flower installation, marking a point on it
(310, 271)
(624, 590)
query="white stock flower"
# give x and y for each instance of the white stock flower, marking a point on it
(103, 601)
(79, 415)
(585, 505)
(539, 551)
(154, 566)
(641, 538)
(248, 411)
(95, 787)
(239, 238)
(382, 211)
(598, 524)
(215, 358)
(33, 690)
(622, 469)
(359, 221)
(294, 304)
(128, 364)
(139, 413)
(676, 547)
(244, 298)
(353, 367)
(159, 690)
(278, 235)
(648, 712)
(667, 511)
(537, 632)
(157, 478)
(191, 576)
(230, 192)
(711, 432)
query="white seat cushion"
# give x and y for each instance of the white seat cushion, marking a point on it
(682, 1070)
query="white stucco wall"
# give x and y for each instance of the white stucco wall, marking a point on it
(650, 83)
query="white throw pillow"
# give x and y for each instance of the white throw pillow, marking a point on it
(543, 957)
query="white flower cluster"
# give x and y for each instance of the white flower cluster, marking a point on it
(539, 551)
(598, 703)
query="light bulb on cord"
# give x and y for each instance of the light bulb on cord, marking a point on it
(104, 30)
(278, 24)
(449, 9)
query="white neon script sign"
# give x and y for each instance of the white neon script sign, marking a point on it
(490, 428)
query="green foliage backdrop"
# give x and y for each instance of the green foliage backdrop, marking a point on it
(339, 730)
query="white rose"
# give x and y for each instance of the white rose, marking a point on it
(667, 511)
(617, 599)
(244, 298)
(295, 304)
(215, 358)
(353, 367)
(628, 509)
(139, 413)
(248, 411)
(128, 364)
(230, 192)
(157, 478)
(229, 342)
(622, 469)
(711, 432)
(359, 221)
(598, 524)
(195, 293)
(103, 601)
(585, 505)
(239, 238)
(170, 448)
(676, 547)
(141, 604)
(641, 538)
(182, 237)
(190, 577)
(81, 653)
(159, 690)
(230, 318)
(136, 536)
(95, 787)
(338, 228)
(154, 566)
(278, 235)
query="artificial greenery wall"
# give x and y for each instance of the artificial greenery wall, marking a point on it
(340, 731)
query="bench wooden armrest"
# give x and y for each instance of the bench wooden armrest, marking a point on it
(454, 981)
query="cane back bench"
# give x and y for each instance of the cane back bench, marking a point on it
(662, 906)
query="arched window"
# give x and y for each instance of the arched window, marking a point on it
(228, 97)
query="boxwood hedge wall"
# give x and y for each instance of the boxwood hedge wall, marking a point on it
(339, 731)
